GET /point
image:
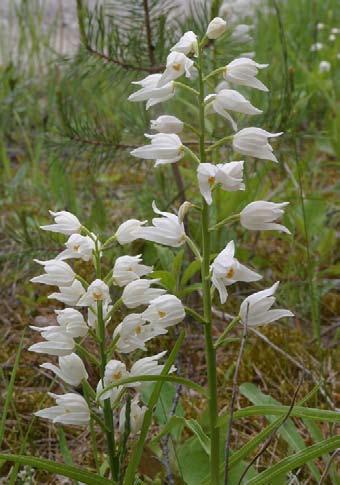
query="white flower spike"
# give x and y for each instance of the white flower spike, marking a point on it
(254, 142)
(147, 366)
(72, 321)
(177, 64)
(164, 148)
(92, 318)
(69, 295)
(243, 72)
(58, 342)
(231, 100)
(71, 369)
(77, 246)
(167, 230)
(71, 408)
(187, 44)
(97, 291)
(255, 309)
(129, 268)
(260, 216)
(226, 270)
(229, 175)
(164, 311)
(167, 124)
(128, 231)
(151, 92)
(216, 28)
(136, 416)
(65, 223)
(139, 292)
(133, 332)
(57, 273)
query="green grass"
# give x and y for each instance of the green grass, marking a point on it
(60, 123)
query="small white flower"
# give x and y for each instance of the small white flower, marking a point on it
(57, 273)
(167, 230)
(164, 148)
(318, 46)
(71, 408)
(260, 216)
(72, 321)
(129, 268)
(164, 311)
(58, 341)
(151, 92)
(77, 246)
(71, 369)
(332, 38)
(243, 71)
(92, 318)
(147, 366)
(133, 332)
(187, 44)
(177, 64)
(241, 33)
(335, 31)
(254, 142)
(115, 370)
(324, 66)
(227, 270)
(128, 231)
(216, 28)
(65, 223)
(167, 124)
(255, 309)
(69, 295)
(320, 26)
(206, 175)
(139, 293)
(136, 416)
(231, 100)
(230, 176)
(97, 291)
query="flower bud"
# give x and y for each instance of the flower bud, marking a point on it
(167, 124)
(216, 28)
(183, 210)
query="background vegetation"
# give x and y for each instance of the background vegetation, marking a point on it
(66, 128)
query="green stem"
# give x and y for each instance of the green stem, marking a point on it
(108, 415)
(193, 248)
(222, 337)
(227, 220)
(219, 142)
(213, 73)
(209, 345)
(191, 154)
(194, 314)
(187, 88)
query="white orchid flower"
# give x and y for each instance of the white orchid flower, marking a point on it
(261, 216)
(254, 142)
(71, 408)
(243, 72)
(71, 369)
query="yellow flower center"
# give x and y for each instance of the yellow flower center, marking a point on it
(76, 247)
(138, 330)
(230, 273)
(161, 314)
(176, 67)
(211, 181)
(97, 295)
(117, 375)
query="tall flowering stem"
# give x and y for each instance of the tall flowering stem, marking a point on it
(205, 271)
(108, 416)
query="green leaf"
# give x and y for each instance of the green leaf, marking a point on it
(196, 428)
(73, 472)
(167, 279)
(288, 431)
(63, 446)
(192, 269)
(291, 462)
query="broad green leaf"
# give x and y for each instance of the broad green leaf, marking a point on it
(287, 431)
(167, 279)
(297, 460)
(192, 269)
(73, 472)
(196, 428)
(66, 454)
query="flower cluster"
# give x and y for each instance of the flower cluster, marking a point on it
(160, 311)
(167, 147)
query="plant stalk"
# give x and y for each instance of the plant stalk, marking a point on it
(205, 271)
